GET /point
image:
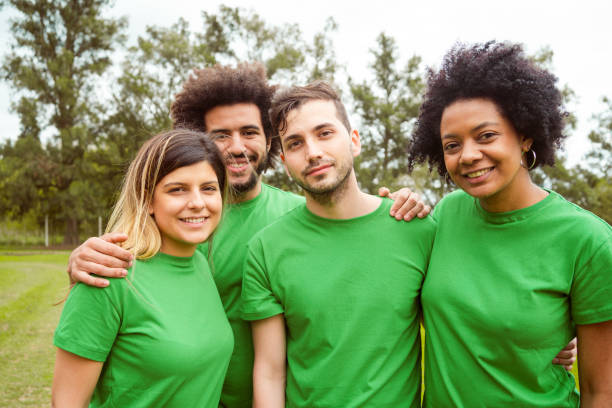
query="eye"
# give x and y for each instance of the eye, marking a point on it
(487, 135)
(209, 188)
(219, 136)
(294, 144)
(326, 133)
(250, 133)
(176, 190)
(451, 147)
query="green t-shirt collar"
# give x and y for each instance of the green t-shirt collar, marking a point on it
(515, 215)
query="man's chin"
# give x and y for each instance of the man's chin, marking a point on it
(244, 186)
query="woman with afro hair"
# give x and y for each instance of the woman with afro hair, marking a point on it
(516, 270)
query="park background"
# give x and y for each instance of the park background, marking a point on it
(85, 82)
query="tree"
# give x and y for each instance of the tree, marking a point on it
(59, 48)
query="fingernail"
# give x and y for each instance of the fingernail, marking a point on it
(124, 272)
(105, 283)
(130, 263)
(393, 213)
(408, 217)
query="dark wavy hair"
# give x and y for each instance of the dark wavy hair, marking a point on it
(224, 85)
(525, 94)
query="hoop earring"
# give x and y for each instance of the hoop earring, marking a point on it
(533, 163)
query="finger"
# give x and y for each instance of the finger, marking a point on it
(384, 192)
(424, 212)
(97, 269)
(105, 247)
(90, 280)
(88, 256)
(569, 367)
(572, 344)
(411, 206)
(565, 354)
(399, 198)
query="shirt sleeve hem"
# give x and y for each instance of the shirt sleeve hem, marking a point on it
(80, 350)
(261, 314)
(592, 317)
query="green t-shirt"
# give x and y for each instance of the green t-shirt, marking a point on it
(240, 222)
(163, 336)
(502, 296)
(349, 292)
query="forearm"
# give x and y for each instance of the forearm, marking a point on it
(268, 389)
(594, 398)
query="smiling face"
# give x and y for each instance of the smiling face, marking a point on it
(238, 133)
(318, 150)
(482, 152)
(187, 207)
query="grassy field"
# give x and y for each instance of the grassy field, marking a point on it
(30, 283)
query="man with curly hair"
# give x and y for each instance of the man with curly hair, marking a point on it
(231, 105)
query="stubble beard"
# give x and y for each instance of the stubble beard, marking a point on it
(331, 193)
(240, 189)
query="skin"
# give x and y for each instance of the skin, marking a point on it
(185, 193)
(475, 136)
(187, 208)
(238, 133)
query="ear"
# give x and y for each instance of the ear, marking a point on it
(150, 209)
(282, 156)
(268, 144)
(526, 144)
(355, 143)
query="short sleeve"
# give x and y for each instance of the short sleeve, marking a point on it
(258, 299)
(90, 321)
(591, 293)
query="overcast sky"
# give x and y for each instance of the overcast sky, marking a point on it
(579, 33)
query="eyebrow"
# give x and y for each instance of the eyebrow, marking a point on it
(474, 129)
(253, 127)
(178, 183)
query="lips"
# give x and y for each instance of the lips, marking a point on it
(477, 173)
(317, 168)
(194, 220)
(239, 164)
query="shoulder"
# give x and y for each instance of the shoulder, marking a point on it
(284, 224)
(577, 220)
(456, 201)
(284, 196)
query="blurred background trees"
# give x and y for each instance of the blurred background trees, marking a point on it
(86, 102)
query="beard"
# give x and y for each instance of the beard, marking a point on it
(246, 186)
(332, 191)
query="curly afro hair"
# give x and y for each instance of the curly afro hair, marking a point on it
(523, 92)
(223, 85)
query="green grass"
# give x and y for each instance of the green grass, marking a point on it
(30, 283)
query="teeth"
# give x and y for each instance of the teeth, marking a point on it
(194, 220)
(477, 173)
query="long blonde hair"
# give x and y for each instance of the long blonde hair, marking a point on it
(157, 157)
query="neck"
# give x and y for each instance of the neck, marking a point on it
(348, 201)
(237, 198)
(521, 193)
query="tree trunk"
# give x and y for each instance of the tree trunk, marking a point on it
(71, 235)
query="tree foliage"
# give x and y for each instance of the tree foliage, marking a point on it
(59, 48)
(76, 137)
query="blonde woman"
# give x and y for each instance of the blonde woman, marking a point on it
(159, 337)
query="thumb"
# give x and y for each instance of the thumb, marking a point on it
(384, 192)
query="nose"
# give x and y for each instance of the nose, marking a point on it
(196, 200)
(236, 145)
(313, 150)
(470, 153)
